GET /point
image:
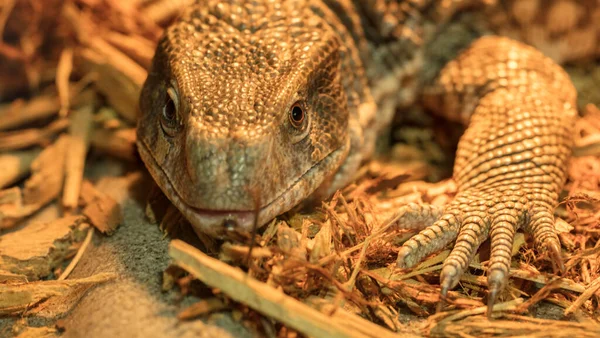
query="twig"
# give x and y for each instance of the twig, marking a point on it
(79, 129)
(268, 300)
(587, 294)
(7, 8)
(563, 283)
(506, 306)
(82, 248)
(63, 73)
(25, 138)
(15, 165)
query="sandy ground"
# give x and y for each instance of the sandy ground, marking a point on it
(134, 305)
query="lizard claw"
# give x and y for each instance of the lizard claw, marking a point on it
(447, 279)
(495, 285)
(541, 226)
(431, 239)
(445, 287)
(468, 221)
(404, 258)
(558, 264)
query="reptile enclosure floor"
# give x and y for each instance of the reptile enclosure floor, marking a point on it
(83, 250)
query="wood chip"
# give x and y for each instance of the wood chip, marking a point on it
(119, 143)
(164, 10)
(79, 130)
(200, 308)
(36, 332)
(12, 210)
(21, 112)
(103, 211)
(63, 73)
(267, 300)
(120, 79)
(590, 290)
(41, 188)
(137, 47)
(25, 138)
(15, 299)
(47, 175)
(36, 249)
(16, 165)
(9, 277)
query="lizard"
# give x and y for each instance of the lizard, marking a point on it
(251, 108)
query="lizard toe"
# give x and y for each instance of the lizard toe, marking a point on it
(445, 286)
(502, 234)
(431, 239)
(541, 227)
(415, 216)
(495, 285)
(473, 232)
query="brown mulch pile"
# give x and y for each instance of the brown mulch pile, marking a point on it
(69, 85)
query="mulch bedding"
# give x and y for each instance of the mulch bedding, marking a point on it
(69, 85)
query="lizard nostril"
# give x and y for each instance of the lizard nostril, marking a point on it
(230, 225)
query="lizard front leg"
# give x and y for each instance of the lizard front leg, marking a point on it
(511, 161)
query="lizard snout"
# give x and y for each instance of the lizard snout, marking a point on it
(229, 176)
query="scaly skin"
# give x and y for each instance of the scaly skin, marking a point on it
(253, 107)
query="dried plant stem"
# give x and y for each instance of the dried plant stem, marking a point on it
(80, 128)
(587, 294)
(268, 300)
(82, 248)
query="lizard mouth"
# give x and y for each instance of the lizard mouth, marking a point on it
(217, 223)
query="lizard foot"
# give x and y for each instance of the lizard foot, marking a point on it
(469, 220)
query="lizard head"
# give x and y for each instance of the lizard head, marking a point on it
(243, 114)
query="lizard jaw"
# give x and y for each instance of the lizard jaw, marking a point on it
(215, 223)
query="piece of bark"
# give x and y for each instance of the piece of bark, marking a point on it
(47, 176)
(165, 10)
(41, 188)
(202, 307)
(57, 307)
(121, 62)
(16, 165)
(36, 332)
(587, 146)
(63, 73)
(104, 212)
(36, 249)
(21, 112)
(9, 277)
(137, 47)
(18, 298)
(13, 213)
(12, 209)
(590, 290)
(119, 143)
(120, 78)
(79, 130)
(25, 138)
(268, 300)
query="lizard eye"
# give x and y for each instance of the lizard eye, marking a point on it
(297, 115)
(170, 117)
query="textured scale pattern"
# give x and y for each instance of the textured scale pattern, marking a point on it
(217, 134)
(237, 69)
(511, 162)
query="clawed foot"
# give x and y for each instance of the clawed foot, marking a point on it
(469, 220)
